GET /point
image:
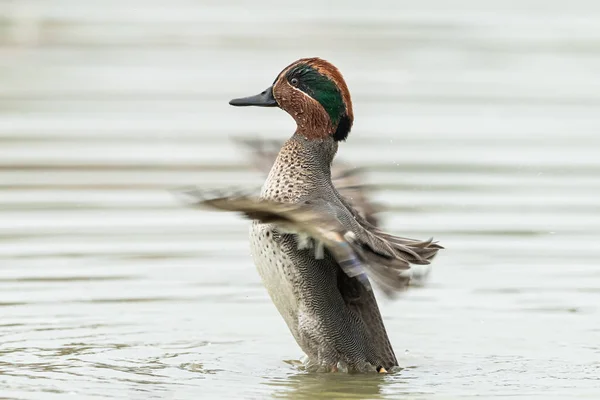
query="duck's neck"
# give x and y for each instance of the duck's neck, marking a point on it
(302, 166)
(321, 149)
(314, 126)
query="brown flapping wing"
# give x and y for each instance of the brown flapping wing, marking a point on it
(389, 253)
(386, 258)
(263, 153)
(301, 219)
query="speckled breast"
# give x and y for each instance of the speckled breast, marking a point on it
(286, 183)
(276, 270)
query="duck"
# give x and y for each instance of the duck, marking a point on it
(315, 247)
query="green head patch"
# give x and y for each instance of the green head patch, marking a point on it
(320, 88)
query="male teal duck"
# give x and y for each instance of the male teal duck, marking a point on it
(313, 247)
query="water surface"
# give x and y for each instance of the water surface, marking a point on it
(478, 125)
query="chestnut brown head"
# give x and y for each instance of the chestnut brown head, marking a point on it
(314, 93)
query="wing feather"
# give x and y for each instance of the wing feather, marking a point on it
(357, 250)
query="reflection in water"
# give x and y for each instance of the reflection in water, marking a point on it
(328, 386)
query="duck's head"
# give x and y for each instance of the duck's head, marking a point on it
(314, 93)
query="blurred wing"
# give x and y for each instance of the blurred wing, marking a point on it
(263, 152)
(356, 249)
(301, 219)
(349, 183)
(346, 179)
(401, 251)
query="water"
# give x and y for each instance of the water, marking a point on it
(478, 126)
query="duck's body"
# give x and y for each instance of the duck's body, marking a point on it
(313, 245)
(334, 320)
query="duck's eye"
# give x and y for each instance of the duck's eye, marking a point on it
(294, 81)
